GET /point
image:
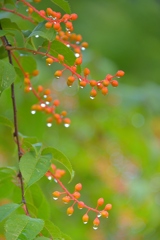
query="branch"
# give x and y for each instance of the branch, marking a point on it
(15, 134)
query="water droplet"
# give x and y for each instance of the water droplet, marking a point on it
(77, 42)
(118, 77)
(30, 88)
(85, 222)
(26, 10)
(69, 214)
(37, 36)
(81, 87)
(49, 178)
(55, 198)
(83, 48)
(45, 96)
(68, 45)
(33, 112)
(49, 64)
(47, 103)
(92, 97)
(95, 227)
(99, 215)
(57, 77)
(49, 124)
(80, 79)
(66, 125)
(55, 180)
(77, 55)
(43, 104)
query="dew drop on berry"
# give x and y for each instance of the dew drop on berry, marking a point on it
(37, 36)
(49, 64)
(77, 55)
(55, 198)
(45, 96)
(49, 124)
(47, 103)
(77, 42)
(92, 97)
(33, 112)
(49, 178)
(95, 227)
(99, 215)
(83, 48)
(30, 88)
(68, 45)
(85, 222)
(43, 105)
(66, 125)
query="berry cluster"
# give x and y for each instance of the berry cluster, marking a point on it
(73, 198)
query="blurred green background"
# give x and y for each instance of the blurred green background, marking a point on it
(113, 142)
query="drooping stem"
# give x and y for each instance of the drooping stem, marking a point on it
(15, 134)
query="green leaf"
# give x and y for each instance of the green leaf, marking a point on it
(3, 52)
(7, 209)
(7, 75)
(33, 167)
(41, 30)
(59, 48)
(28, 62)
(35, 197)
(42, 238)
(22, 227)
(7, 122)
(2, 33)
(63, 5)
(53, 230)
(60, 157)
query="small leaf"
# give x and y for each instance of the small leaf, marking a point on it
(60, 157)
(23, 227)
(7, 75)
(2, 33)
(63, 4)
(53, 230)
(7, 209)
(41, 30)
(7, 122)
(33, 167)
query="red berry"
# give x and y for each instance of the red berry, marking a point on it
(100, 202)
(120, 73)
(114, 83)
(78, 187)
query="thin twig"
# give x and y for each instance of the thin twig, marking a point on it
(16, 136)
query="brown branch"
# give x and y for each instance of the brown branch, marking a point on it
(16, 136)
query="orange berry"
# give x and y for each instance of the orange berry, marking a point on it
(56, 194)
(49, 60)
(49, 11)
(99, 85)
(48, 25)
(93, 93)
(27, 81)
(60, 58)
(100, 202)
(59, 173)
(49, 120)
(53, 167)
(58, 73)
(47, 92)
(30, 10)
(70, 211)
(114, 83)
(120, 73)
(56, 102)
(104, 90)
(71, 79)
(85, 218)
(42, 12)
(65, 17)
(109, 77)
(76, 195)
(82, 84)
(66, 199)
(63, 113)
(86, 71)
(40, 88)
(96, 222)
(73, 16)
(78, 187)
(78, 61)
(108, 207)
(104, 214)
(81, 205)
(58, 15)
(57, 26)
(26, 74)
(27, 89)
(67, 121)
(48, 109)
(35, 72)
(106, 82)
(93, 83)
(84, 44)
(78, 38)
